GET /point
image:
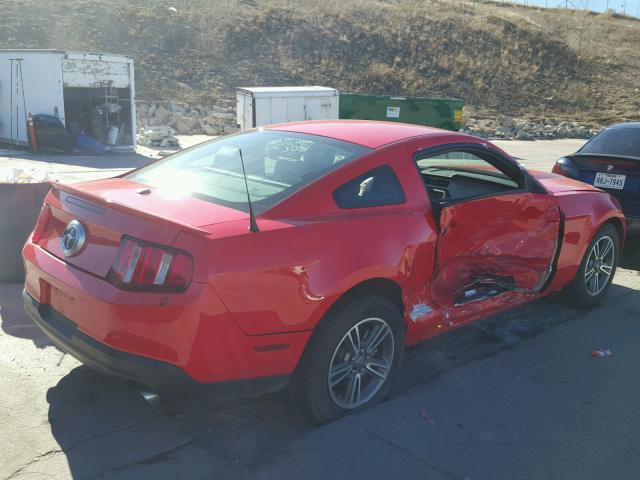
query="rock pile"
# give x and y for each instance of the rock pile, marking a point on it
(185, 119)
(157, 136)
(520, 129)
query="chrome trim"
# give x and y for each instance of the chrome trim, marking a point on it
(132, 266)
(164, 268)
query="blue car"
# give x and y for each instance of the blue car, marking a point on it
(610, 161)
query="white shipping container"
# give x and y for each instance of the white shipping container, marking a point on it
(258, 106)
(88, 92)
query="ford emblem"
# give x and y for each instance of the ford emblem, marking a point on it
(73, 238)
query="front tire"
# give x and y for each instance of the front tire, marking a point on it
(596, 270)
(351, 359)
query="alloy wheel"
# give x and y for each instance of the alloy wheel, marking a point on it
(600, 263)
(361, 363)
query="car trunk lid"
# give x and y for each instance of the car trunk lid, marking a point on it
(110, 209)
(606, 163)
(589, 165)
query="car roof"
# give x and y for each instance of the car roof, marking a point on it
(368, 133)
(624, 125)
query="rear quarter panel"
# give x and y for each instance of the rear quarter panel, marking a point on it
(309, 252)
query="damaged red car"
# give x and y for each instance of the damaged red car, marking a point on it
(307, 254)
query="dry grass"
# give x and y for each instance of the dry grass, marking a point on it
(500, 58)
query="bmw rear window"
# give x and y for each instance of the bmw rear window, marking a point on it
(277, 164)
(622, 142)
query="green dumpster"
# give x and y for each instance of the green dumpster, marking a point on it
(434, 112)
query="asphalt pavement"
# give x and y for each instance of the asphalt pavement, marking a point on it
(515, 396)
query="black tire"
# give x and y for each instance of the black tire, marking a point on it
(577, 293)
(310, 384)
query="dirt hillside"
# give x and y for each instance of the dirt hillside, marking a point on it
(499, 58)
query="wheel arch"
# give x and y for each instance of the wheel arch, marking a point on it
(619, 226)
(312, 396)
(616, 223)
(385, 287)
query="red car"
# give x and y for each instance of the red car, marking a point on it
(307, 253)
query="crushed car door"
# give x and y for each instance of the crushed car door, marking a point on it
(496, 235)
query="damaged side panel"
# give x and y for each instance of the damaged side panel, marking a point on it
(497, 248)
(419, 310)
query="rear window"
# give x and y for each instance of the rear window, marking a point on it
(277, 165)
(624, 142)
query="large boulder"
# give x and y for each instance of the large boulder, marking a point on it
(221, 115)
(176, 108)
(186, 124)
(508, 122)
(524, 135)
(160, 115)
(210, 129)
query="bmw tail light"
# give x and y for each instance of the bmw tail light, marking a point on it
(561, 167)
(148, 267)
(41, 224)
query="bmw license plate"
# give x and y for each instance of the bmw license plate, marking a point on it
(609, 180)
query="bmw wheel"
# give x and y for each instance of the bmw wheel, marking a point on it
(597, 268)
(351, 359)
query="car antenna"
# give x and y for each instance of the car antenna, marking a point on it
(253, 226)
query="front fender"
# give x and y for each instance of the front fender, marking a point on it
(585, 213)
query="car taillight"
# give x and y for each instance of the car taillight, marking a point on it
(561, 167)
(144, 266)
(41, 223)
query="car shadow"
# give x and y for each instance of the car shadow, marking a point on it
(106, 429)
(91, 415)
(14, 320)
(630, 258)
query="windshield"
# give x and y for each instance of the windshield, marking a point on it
(624, 142)
(277, 164)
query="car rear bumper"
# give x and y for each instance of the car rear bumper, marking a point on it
(154, 374)
(155, 339)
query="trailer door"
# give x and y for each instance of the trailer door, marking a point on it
(313, 108)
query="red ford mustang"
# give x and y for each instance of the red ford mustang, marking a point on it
(308, 253)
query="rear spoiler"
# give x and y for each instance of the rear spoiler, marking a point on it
(96, 199)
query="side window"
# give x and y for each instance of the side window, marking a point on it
(458, 175)
(374, 188)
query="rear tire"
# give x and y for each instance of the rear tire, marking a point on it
(597, 269)
(351, 359)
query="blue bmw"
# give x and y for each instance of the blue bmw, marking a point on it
(610, 161)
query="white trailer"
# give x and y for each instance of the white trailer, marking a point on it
(88, 92)
(257, 106)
